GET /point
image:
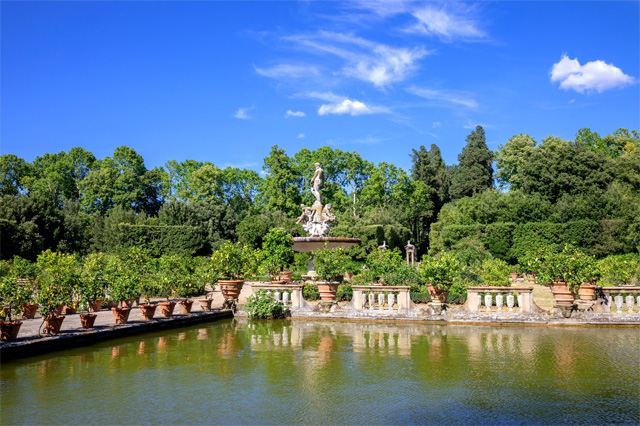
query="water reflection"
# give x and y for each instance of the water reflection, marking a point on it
(319, 372)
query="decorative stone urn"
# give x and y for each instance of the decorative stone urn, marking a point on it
(328, 290)
(231, 288)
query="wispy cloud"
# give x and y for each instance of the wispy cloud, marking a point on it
(341, 105)
(451, 97)
(301, 136)
(241, 113)
(596, 76)
(365, 60)
(288, 71)
(290, 113)
(447, 25)
(436, 124)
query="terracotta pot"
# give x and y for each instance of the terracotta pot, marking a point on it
(166, 308)
(437, 294)
(185, 306)
(121, 315)
(587, 291)
(147, 311)
(278, 282)
(9, 330)
(128, 302)
(205, 304)
(70, 309)
(328, 290)
(348, 276)
(95, 307)
(562, 293)
(29, 311)
(87, 320)
(231, 288)
(59, 309)
(514, 276)
(286, 276)
(53, 324)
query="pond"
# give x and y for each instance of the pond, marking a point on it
(311, 372)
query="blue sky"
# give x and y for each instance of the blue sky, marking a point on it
(224, 81)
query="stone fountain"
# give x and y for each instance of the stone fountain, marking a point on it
(316, 221)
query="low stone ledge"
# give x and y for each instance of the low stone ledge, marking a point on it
(32, 346)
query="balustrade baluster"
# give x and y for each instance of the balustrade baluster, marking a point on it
(618, 300)
(370, 296)
(392, 300)
(276, 295)
(499, 301)
(381, 301)
(488, 301)
(510, 301)
(629, 302)
(285, 298)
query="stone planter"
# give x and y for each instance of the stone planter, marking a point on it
(121, 315)
(562, 294)
(9, 330)
(587, 292)
(438, 295)
(88, 320)
(185, 306)
(205, 304)
(53, 324)
(328, 290)
(166, 308)
(29, 311)
(231, 288)
(147, 311)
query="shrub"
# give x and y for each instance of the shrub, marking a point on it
(495, 272)
(330, 264)
(344, 293)
(262, 305)
(419, 294)
(277, 251)
(384, 262)
(310, 292)
(440, 270)
(404, 275)
(617, 270)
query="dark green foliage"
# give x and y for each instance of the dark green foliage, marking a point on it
(474, 172)
(498, 238)
(344, 293)
(403, 275)
(252, 229)
(262, 305)
(419, 294)
(310, 292)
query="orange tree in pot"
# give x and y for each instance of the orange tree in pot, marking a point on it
(57, 279)
(329, 266)
(25, 273)
(277, 253)
(564, 272)
(10, 298)
(232, 262)
(93, 281)
(440, 272)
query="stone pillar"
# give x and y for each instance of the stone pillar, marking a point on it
(472, 300)
(404, 300)
(357, 299)
(527, 301)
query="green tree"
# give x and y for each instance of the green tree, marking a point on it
(510, 157)
(13, 170)
(281, 186)
(474, 172)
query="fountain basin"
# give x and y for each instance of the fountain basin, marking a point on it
(311, 244)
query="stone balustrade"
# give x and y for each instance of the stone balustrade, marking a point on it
(484, 298)
(288, 294)
(376, 297)
(621, 299)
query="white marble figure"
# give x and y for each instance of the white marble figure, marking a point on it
(316, 220)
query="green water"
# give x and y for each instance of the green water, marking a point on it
(283, 372)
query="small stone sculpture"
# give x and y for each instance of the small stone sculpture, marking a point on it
(383, 247)
(411, 253)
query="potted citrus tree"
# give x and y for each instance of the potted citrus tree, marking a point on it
(170, 274)
(329, 266)
(25, 273)
(561, 272)
(232, 262)
(9, 295)
(439, 272)
(148, 287)
(93, 281)
(55, 286)
(383, 263)
(277, 254)
(204, 276)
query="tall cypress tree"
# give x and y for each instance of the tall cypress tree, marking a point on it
(474, 172)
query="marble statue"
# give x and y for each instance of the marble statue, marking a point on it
(316, 220)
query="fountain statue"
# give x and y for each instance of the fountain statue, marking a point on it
(317, 219)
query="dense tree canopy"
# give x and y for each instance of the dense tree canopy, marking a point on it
(585, 191)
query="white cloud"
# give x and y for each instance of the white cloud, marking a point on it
(294, 114)
(242, 113)
(345, 107)
(365, 60)
(445, 24)
(288, 71)
(436, 124)
(593, 76)
(301, 136)
(446, 96)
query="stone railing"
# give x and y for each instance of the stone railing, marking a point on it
(380, 297)
(287, 294)
(617, 299)
(482, 299)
